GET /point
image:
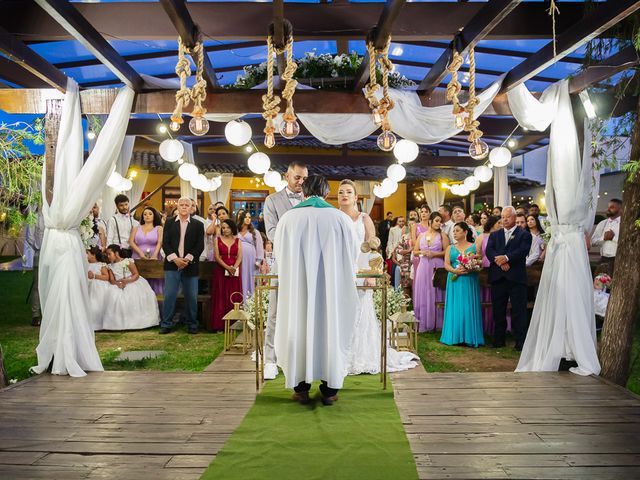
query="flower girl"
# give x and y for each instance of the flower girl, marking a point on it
(132, 304)
(99, 286)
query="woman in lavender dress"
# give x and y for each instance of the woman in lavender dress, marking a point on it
(429, 249)
(418, 229)
(252, 251)
(146, 241)
(492, 224)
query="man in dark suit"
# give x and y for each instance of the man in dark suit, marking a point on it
(507, 251)
(182, 242)
(383, 233)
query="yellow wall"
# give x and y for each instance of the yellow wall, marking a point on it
(397, 203)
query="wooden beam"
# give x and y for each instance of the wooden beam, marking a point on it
(189, 33)
(378, 36)
(279, 34)
(624, 59)
(30, 61)
(73, 22)
(600, 20)
(159, 54)
(246, 21)
(479, 27)
(12, 72)
(51, 127)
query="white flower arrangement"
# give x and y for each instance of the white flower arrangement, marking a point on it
(546, 236)
(395, 300)
(86, 231)
(250, 305)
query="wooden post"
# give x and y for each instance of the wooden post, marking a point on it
(51, 128)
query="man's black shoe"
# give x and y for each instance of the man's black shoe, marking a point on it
(164, 330)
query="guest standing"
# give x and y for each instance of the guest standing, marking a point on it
(492, 224)
(383, 232)
(402, 261)
(209, 237)
(447, 224)
(418, 229)
(146, 241)
(537, 243)
(99, 227)
(183, 243)
(120, 225)
(252, 250)
(227, 278)
(607, 233)
(429, 249)
(507, 251)
(462, 312)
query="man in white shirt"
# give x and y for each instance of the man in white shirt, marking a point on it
(120, 225)
(447, 224)
(608, 231)
(395, 236)
(458, 215)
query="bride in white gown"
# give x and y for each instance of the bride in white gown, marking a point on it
(364, 355)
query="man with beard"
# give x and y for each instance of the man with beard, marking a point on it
(607, 233)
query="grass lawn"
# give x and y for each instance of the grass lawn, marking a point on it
(19, 339)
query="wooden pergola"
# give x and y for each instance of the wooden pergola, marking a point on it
(443, 25)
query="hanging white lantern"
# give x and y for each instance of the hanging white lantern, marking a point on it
(454, 189)
(238, 133)
(114, 181)
(483, 173)
(389, 186)
(259, 163)
(396, 172)
(463, 190)
(200, 182)
(472, 183)
(125, 185)
(216, 182)
(272, 178)
(500, 157)
(188, 171)
(379, 192)
(171, 150)
(281, 185)
(406, 151)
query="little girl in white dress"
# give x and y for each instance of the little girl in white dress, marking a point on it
(132, 304)
(99, 286)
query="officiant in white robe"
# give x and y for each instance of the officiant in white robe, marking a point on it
(316, 248)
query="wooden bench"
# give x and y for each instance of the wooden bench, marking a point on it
(533, 279)
(154, 270)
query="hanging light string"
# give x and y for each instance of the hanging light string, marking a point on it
(270, 102)
(553, 11)
(291, 83)
(470, 124)
(183, 95)
(199, 89)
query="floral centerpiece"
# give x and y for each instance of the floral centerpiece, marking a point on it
(471, 262)
(86, 231)
(395, 300)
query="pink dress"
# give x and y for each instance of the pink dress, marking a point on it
(425, 294)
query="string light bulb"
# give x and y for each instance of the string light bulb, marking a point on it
(175, 124)
(199, 125)
(478, 149)
(290, 128)
(162, 128)
(91, 135)
(377, 117)
(269, 140)
(386, 141)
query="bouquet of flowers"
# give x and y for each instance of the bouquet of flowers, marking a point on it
(470, 262)
(546, 236)
(86, 231)
(602, 282)
(395, 300)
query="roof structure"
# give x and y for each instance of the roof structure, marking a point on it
(103, 44)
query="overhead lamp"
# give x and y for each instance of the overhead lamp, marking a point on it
(91, 135)
(188, 171)
(171, 150)
(259, 163)
(272, 178)
(406, 151)
(500, 157)
(162, 128)
(483, 173)
(237, 132)
(396, 172)
(511, 143)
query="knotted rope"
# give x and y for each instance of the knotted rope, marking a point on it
(380, 108)
(470, 124)
(183, 95)
(291, 83)
(270, 102)
(454, 87)
(553, 10)
(199, 89)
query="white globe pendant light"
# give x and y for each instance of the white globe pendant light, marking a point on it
(114, 181)
(379, 192)
(200, 182)
(216, 182)
(237, 132)
(500, 157)
(406, 151)
(483, 173)
(281, 185)
(455, 189)
(463, 190)
(396, 172)
(188, 171)
(472, 183)
(125, 185)
(171, 150)
(259, 163)
(389, 186)
(272, 178)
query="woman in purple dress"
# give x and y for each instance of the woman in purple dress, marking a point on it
(418, 229)
(429, 249)
(252, 251)
(492, 224)
(146, 241)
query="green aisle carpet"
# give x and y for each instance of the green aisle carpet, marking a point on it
(359, 437)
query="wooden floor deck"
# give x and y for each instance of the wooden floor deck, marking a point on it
(133, 425)
(519, 426)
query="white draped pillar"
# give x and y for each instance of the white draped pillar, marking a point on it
(122, 166)
(66, 334)
(139, 183)
(365, 193)
(563, 322)
(501, 190)
(186, 190)
(222, 193)
(433, 194)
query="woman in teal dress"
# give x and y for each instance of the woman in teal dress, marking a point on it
(462, 310)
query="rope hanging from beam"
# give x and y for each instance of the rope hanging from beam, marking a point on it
(290, 126)
(198, 124)
(270, 102)
(183, 95)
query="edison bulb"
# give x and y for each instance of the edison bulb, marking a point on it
(386, 141)
(269, 140)
(174, 126)
(199, 126)
(478, 150)
(377, 117)
(290, 129)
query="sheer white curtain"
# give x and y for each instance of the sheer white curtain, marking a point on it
(186, 190)
(563, 322)
(66, 334)
(433, 194)
(138, 186)
(501, 191)
(222, 193)
(122, 166)
(366, 195)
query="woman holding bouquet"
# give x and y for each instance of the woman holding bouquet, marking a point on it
(462, 311)
(429, 249)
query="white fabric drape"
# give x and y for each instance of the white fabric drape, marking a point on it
(563, 322)
(222, 193)
(366, 195)
(409, 119)
(186, 190)
(122, 166)
(433, 195)
(66, 334)
(501, 191)
(139, 183)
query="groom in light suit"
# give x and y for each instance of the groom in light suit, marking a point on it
(275, 206)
